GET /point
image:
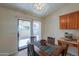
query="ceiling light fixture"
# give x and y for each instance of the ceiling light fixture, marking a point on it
(39, 6)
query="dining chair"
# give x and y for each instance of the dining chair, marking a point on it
(63, 44)
(43, 42)
(30, 50)
(30, 46)
(32, 39)
(51, 40)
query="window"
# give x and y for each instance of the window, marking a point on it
(37, 29)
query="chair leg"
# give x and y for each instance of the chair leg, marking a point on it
(65, 50)
(28, 50)
(63, 54)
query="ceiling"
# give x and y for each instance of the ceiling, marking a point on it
(30, 8)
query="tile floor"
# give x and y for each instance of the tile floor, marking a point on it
(21, 53)
(24, 53)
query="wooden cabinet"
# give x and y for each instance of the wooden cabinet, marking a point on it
(70, 21)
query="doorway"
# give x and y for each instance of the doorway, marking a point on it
(24, 29)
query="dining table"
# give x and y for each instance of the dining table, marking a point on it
(48, 50)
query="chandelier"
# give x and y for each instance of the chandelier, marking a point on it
(39, 6)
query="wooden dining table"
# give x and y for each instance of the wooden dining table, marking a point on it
(48, 50)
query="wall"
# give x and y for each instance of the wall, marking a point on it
(52, 28)
(42, 27)
(8, 29)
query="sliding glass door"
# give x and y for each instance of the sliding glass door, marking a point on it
(37, 30)
(24, 33)
(26, 29)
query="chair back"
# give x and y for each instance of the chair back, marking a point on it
(51, 40)
(65, 45)
(43, 42)
(33, 39)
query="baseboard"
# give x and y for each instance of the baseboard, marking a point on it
(8, 54)
(4, 54)
(12, 53)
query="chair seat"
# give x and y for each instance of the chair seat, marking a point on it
(72, 51)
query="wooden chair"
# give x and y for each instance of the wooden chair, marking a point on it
(43, 42)
(51, 40)
(63, 44)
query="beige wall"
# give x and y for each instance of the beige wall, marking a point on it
(52, 28)
(8, 29)
(42, 27)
